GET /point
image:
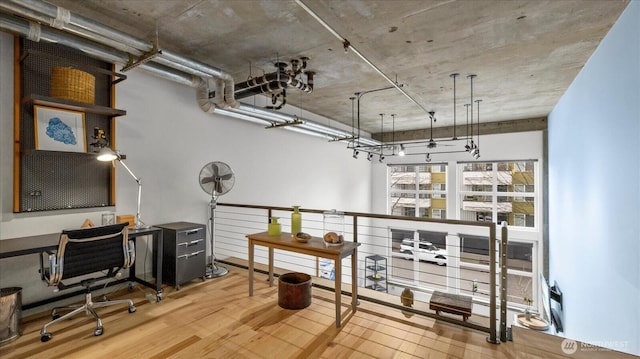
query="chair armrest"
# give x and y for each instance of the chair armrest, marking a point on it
(131, 253)
(49, 274)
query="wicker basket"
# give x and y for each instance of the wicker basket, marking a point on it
(72, 84)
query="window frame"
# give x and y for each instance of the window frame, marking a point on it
(416, 192)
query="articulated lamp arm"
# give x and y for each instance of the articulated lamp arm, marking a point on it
(139, 223)
(107, 154)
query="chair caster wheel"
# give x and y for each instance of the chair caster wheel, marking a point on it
(132, 309)
(130, 287)
(45, 337)
(98, 331)
(158, 298)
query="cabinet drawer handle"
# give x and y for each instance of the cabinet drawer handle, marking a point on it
(190, 232)
(186, 256)
(192, 243)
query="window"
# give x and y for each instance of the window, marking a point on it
(500, 192)
(439, 213)
(418, 190)
(496, 192)
(523, 220)
(438, 190)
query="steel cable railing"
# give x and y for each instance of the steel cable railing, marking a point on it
(376, 235)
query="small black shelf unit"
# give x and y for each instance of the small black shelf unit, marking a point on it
(376, 273)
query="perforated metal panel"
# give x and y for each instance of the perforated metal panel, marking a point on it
(61, 180)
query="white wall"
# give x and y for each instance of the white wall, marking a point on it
(594, 192)
(168, 139)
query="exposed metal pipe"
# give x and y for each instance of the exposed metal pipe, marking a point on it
(347, 45)
(36, 32)
(89, 28)
(16, 8)
(25, 28)
(270, 82)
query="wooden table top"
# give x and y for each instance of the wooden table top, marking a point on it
(315, 246)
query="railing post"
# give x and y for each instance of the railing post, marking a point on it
(503, 283)
(355, 240)
(355, 229)
(492, 286)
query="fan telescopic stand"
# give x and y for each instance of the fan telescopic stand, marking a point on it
(213, 270)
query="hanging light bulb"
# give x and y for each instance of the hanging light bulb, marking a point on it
(401, 153)
(428, 158)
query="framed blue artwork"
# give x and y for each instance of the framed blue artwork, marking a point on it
(59, 130)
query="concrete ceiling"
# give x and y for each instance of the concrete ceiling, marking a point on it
(525, 53)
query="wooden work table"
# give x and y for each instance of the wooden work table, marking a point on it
(315, 247)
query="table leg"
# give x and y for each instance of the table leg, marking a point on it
(338, 285)
(270, 267)
(250, 267)
(354, 280)
(158, 242)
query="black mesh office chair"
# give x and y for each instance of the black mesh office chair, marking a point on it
(86, 256)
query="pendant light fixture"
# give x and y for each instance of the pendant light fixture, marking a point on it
(433, 146)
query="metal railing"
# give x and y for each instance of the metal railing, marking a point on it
(384, 235)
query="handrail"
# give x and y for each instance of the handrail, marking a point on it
(368, 215)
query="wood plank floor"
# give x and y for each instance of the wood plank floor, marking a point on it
(217, 319)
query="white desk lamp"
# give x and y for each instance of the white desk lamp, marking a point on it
(106, 154)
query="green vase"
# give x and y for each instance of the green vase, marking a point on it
(274, 227)
(296, 221)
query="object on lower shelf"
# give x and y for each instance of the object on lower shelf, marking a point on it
(534, 322)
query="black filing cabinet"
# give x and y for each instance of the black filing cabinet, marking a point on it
(184, 252)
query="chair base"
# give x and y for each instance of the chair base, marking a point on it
(89, 308)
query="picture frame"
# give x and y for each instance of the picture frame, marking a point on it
(59, 129)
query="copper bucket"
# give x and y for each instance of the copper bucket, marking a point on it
(294, 291)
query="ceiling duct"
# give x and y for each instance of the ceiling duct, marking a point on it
(111, 45)
(276, 83)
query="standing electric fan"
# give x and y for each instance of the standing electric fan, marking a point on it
(216, 179)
